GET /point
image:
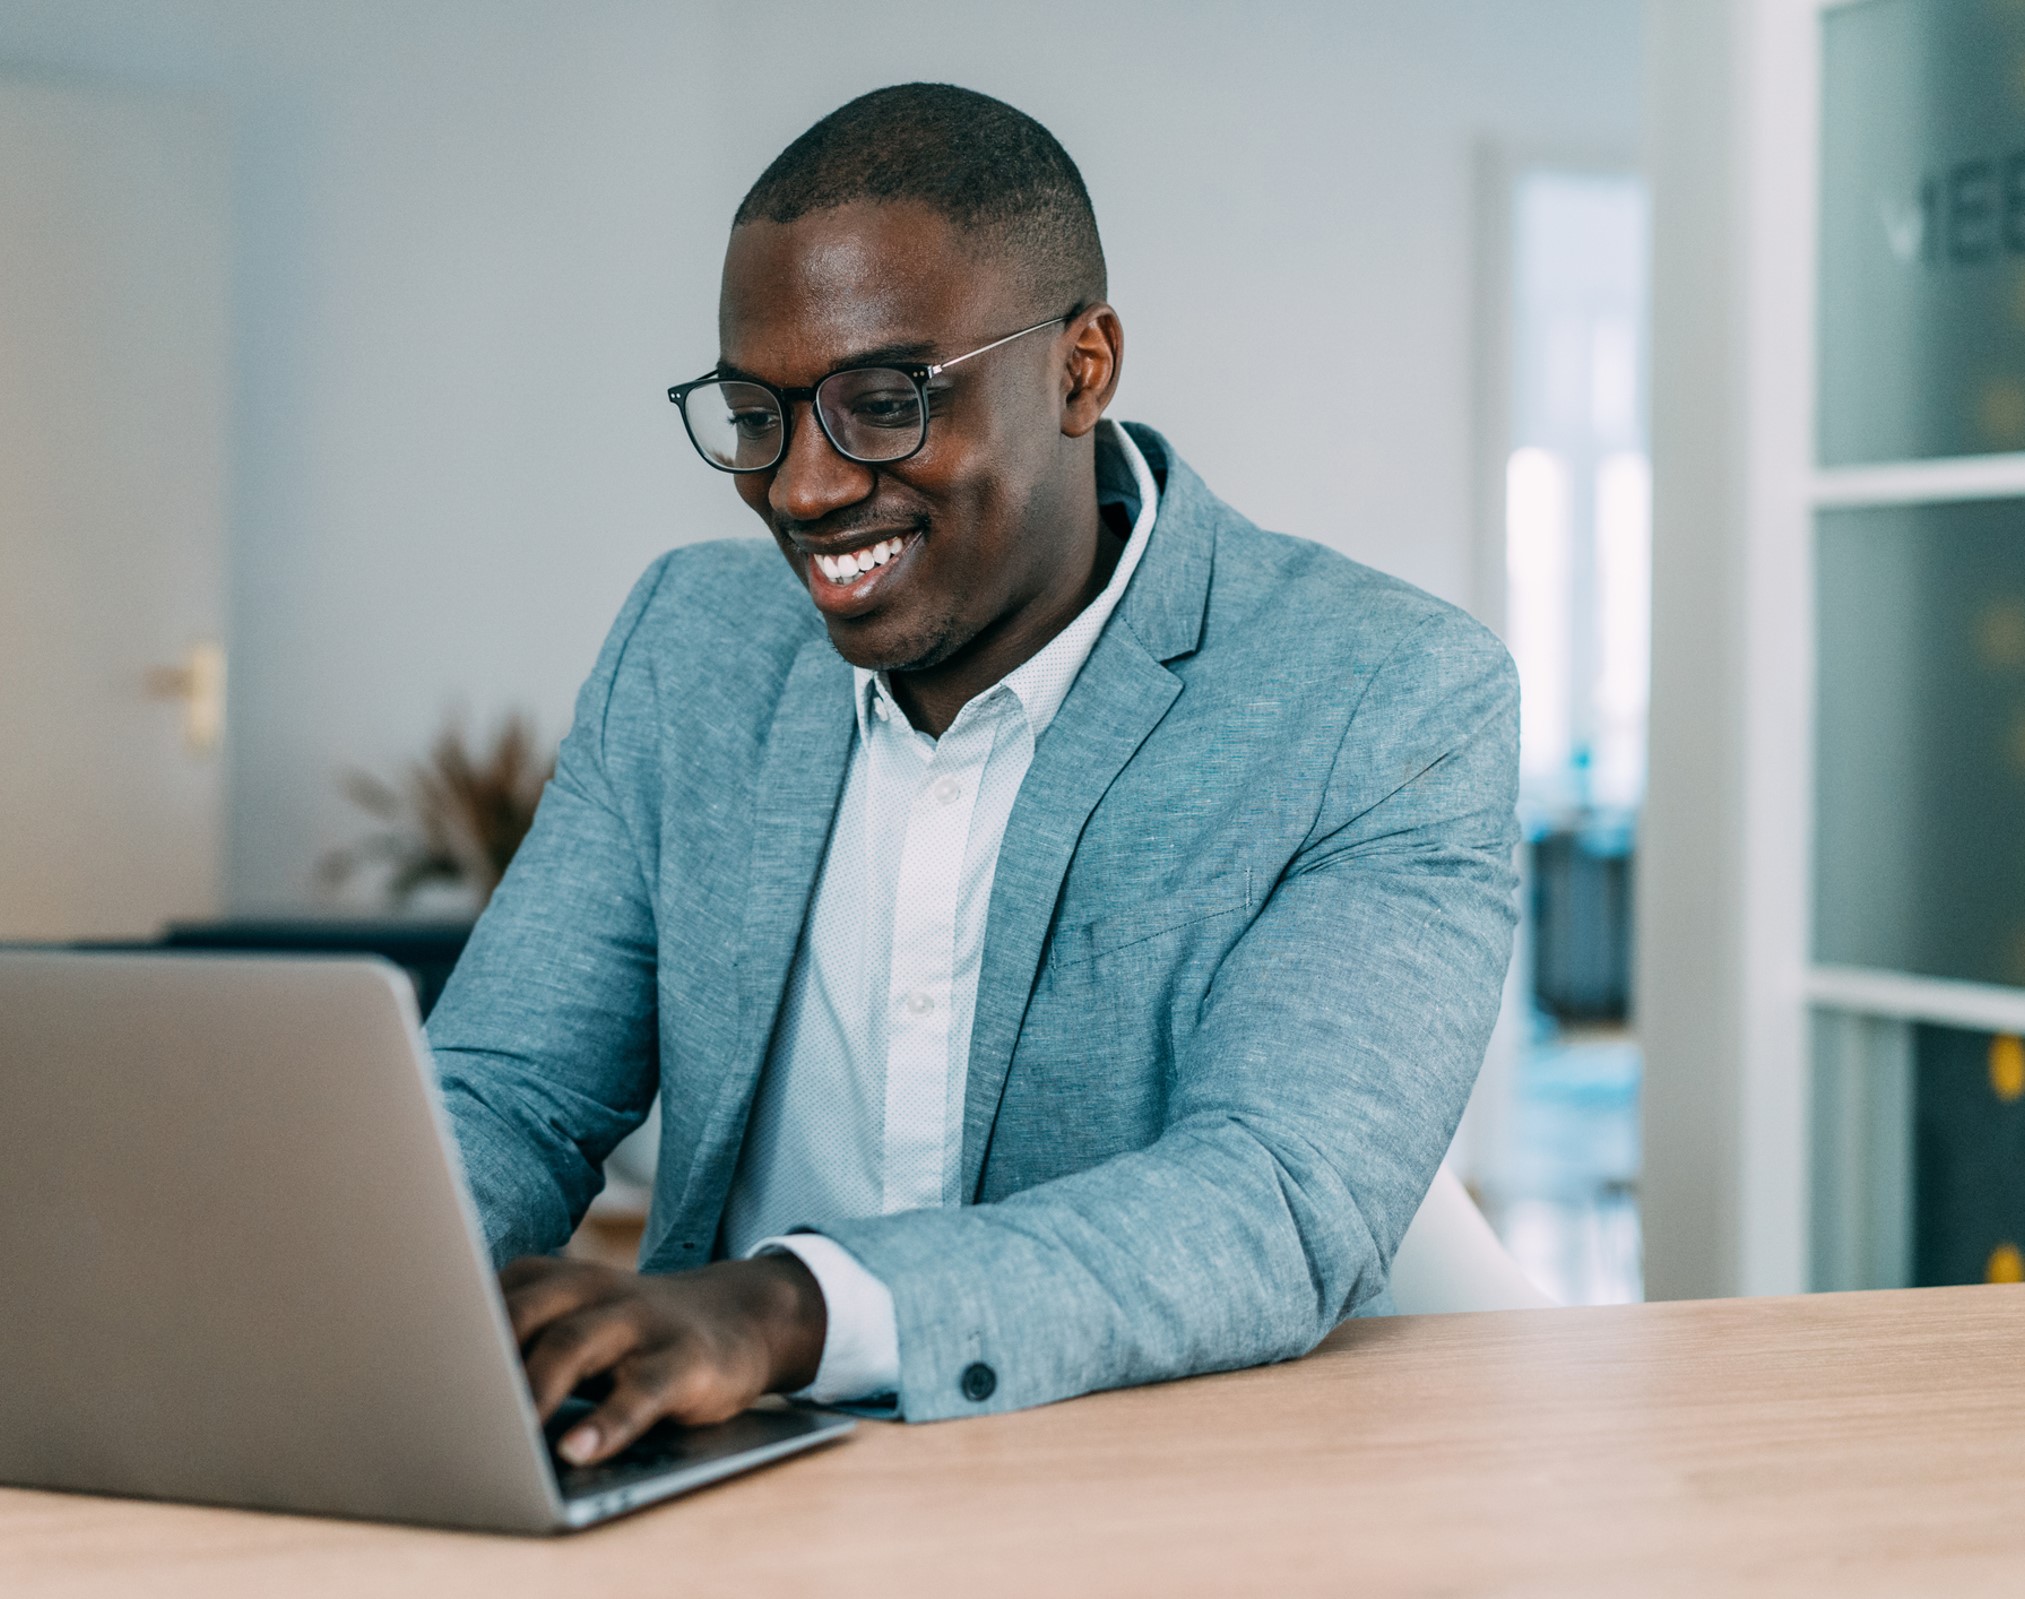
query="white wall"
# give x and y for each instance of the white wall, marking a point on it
(1724, 842)
(477, 239)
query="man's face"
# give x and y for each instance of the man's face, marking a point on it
(973, 511)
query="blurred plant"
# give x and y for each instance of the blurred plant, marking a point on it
(455, 818)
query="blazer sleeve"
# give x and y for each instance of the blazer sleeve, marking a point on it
(545, 1036)
(1334, 1054)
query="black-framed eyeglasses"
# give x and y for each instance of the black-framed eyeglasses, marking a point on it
(874, 415)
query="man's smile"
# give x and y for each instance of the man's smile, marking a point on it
(850, 582)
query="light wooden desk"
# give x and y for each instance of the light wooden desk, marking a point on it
(1845, 1444)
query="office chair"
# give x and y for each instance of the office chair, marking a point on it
(1451, 1260)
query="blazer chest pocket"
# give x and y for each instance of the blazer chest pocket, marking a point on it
(1174, 905)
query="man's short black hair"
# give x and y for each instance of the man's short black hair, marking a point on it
(986, 167)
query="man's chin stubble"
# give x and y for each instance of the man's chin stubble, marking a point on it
(912, 655)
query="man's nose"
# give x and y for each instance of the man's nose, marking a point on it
(812, 479)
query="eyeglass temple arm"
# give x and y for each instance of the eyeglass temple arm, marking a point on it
(985, 349)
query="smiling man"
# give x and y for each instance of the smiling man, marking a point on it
(1061, 921)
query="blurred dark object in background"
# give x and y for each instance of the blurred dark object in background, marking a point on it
(426, 951)
(1581, 901)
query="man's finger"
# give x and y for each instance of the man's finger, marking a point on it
(674, 1381)
(532, 1268)
(571, 1348)
(536, 1296)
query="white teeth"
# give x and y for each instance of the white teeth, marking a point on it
(842, 568)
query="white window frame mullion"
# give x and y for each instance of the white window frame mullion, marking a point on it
(1980, 477)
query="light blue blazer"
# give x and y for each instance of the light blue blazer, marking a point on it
(1244, 950)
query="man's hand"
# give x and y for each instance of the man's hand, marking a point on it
(696, 1346)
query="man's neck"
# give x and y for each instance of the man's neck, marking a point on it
(932, 697)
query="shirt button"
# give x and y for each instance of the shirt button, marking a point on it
(949, 791)
(980, 1382)
(919, 1003)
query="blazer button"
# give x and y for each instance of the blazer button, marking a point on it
(980, 1382)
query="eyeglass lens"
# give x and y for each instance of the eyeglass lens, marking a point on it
(736, 426)
(871, 414)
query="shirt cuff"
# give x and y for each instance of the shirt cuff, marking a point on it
(861, 1349)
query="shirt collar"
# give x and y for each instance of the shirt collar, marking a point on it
(1042, 683)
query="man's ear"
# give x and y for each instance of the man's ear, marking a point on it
(1093, 357)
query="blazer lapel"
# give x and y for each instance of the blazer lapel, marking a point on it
(1119, 698)
(801, 775)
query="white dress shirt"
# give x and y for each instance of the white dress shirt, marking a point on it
(859, 1110)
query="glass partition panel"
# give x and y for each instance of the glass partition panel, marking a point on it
(1922, 313)
(1920, 740)
(1862, 1152)
(1969, 1157)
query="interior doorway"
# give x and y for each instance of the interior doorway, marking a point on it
(1552, 1149)
(113, 413)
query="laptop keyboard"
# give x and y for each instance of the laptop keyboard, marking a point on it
(666, 1447)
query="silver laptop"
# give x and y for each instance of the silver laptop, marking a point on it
(238, 1262)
